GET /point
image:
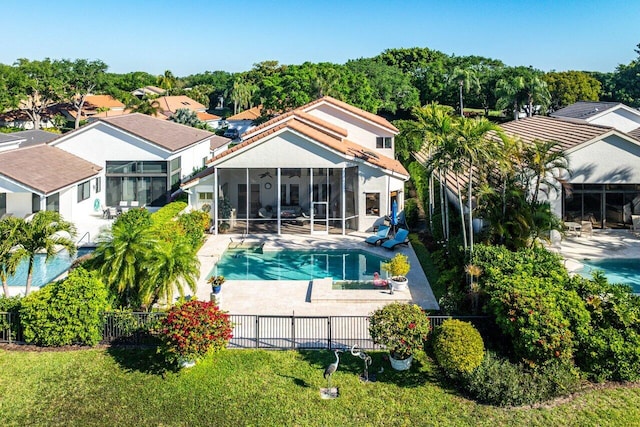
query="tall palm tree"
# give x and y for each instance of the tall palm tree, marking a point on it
(167, 80)
(10, 252)
(544, 166)
(172, 266)
(147, 106)
(241, 94)
(508, 92)
(47, 232)
(476, 148)
(537, 93)
(121, 257)
(466, 79)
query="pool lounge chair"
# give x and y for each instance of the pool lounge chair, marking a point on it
(380, 236)
(399, 239)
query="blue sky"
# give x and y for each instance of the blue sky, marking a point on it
(192, 36)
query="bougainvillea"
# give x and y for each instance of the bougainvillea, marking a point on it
(402, 328)
(195, 328)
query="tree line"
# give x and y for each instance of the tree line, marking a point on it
(390, 84)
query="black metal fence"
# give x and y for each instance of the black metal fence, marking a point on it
(250, 331)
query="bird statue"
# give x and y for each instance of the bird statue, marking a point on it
(355, 351)
(329, 370)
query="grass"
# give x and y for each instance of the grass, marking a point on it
(251, 387)
(430, 270)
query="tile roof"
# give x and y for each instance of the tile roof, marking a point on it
(151, 90)
(174, 103)
(100, 101)
(354, 110)
(635, 133)
(166, 134)
(44, 168)
(567, 134)
(36, 137)
(343, 146)
(10, 137)
(207, 117)
(250, 114)
(584, 109)
(218, 141)
(302, 116)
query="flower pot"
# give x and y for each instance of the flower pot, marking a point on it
(399, 283)
(401, 364)
(216, 289)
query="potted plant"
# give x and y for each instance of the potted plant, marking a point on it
(398, 267)
(216, 283)
(402, 329)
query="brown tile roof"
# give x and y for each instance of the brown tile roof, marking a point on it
(568, 134)
(635, 133)
(174, 103)
(44, 168)
(343, 146)
(250, 114)
(354, 110)
(302, 116)
(166, 134)
(207, 117)
(218, 141)
(93, 102)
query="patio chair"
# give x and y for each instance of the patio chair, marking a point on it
(399, 239)
(264, 213)
(586, 227)
(381, 235)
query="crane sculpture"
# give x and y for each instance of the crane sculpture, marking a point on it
(355, 351)
(329, 370)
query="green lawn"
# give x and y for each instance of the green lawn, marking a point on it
(262, 388)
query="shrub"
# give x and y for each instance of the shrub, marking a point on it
(167, 213)
(412, 215)
(65, 312)
(397, 266)
(194, 224)
(499, 382)
(401, 328)
(135, 218)
(458, 347)
(195, 328)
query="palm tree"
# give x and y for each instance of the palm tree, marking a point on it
(544, 165)
(46, 232)
(242, 94)
(173, 265)
(121, 257)
(467, 80)
(508, 92)
(167, 80)
(477, 149)
(10, 252)
(537, 92)
(147, 106)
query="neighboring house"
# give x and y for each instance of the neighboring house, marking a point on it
(42, 177)
(25, 138)
(613, 114)
(170, 104)
(96, 106)
(21, 120)
(326, 167)
(244, 120)
(148, 91)
(10, 141)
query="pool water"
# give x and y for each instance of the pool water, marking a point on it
(44, 273)
(255, 264)
(616, 270)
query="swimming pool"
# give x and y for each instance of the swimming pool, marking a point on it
(255, 264)
(44, 273)
(616, 270)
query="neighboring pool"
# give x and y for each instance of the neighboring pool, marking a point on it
(254, 264)
(617, 270)
(44, 273)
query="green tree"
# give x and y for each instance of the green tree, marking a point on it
(545, 165)
(146, 105)
(82, 78)
(509, 93)
(241, 93)
(46, 233)
(466, 81)
(188, 117)
(167, 80)
(568, 87)
(10, 252)
(627, 82)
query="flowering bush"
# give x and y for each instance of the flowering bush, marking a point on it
(216, 280)
(194, 328)
(401, 328)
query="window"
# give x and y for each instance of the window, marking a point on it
(383, 142)
(372, 204)
(98, 184)
(84, 191)
(3, 203)
(175, 173)
(204, 162)
(53, 202)
(35, 202)
(205, 196)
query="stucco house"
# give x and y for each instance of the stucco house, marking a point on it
(326, 167)
(170, 104)
(243, 121)
(613, 114)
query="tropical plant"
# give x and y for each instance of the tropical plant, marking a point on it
(10, 252)
(216, 280)
(545, 165)
(401, 328)
(47, 232)
(458, 347)
(167, 80)
(147, 106)
(398, 266)
(194, 329)
(466, 80)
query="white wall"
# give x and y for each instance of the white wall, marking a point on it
(373, 180)
(612, 160)
(19, 204)
(359, 131)
(192, 157)
(620, 119)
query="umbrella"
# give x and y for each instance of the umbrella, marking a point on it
(394, 214)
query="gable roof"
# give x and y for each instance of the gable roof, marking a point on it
(151, 90)
(301, 116)
(207, 116)
(174, 103)
(584, 109)
(35, 137)
(351, 109)
(218, 141)
(169, 135)
(567, 133)
(10, 138)
(44, 168)
(102, 101)
(317, 134)
(250, 114)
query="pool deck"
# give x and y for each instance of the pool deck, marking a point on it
(303, 297)
(603, 244)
